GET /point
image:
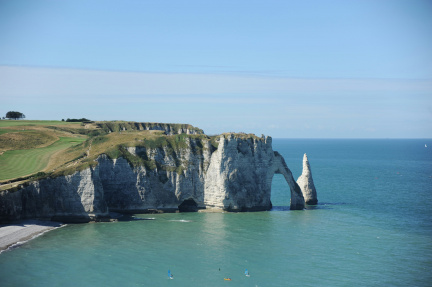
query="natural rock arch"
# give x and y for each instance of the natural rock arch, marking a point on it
(280, 167)
(240, 175)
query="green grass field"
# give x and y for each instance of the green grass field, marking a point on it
(18, 163)
(13, 123)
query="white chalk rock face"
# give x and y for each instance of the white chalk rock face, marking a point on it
(306, 183)
(237, 175)
(240, 175)
(73, 198)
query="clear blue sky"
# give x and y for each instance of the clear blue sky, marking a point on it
(309, 69)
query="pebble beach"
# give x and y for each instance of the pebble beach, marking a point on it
(22, 231)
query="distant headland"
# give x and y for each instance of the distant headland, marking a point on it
(80, 171)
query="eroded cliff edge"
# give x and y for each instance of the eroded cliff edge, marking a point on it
(230, 172)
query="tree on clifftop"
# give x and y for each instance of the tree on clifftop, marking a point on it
(15, 115)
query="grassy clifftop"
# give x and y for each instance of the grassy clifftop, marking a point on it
(34, 149)
(117, 126)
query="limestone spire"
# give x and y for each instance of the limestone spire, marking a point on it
(306, 183)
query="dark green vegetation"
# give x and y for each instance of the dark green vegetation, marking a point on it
(15, 115)
(78, 120)
(32, 150)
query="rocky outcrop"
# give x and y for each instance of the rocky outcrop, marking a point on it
(306, 183)
(232, 172)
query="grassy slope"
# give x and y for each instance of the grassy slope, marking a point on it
(13, 123)
(18, 163)
(25, 139)
(58, 148)
(27, 147)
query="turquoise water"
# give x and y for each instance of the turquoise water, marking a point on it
(372, 227)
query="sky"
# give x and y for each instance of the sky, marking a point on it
(288, 69)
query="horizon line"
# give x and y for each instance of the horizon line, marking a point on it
(277, 137)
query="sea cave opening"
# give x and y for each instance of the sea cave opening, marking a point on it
(280, 193)
(188, 205)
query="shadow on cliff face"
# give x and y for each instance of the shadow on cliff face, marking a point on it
(188, 205)
(58, 199)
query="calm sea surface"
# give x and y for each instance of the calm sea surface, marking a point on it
(372, 227)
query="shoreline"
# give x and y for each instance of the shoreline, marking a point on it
(24, 230)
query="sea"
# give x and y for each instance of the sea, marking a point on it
(372, 227)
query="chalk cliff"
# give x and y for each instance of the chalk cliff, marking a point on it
(75, 198)
(305, 181)
(230, 172)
